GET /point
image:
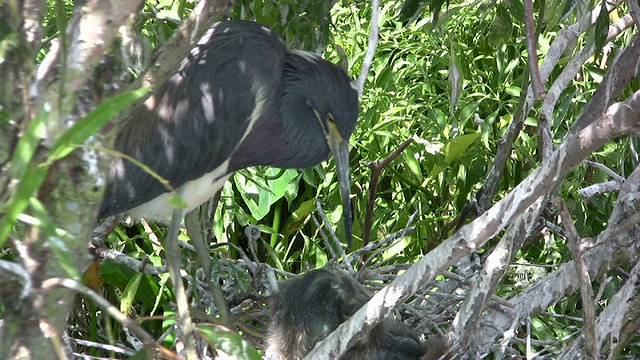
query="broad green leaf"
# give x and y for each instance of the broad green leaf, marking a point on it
(129, 293)
(602, 25)
(452, 151)
(259, 194)
(456, 147)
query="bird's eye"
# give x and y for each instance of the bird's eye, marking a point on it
(330, 118)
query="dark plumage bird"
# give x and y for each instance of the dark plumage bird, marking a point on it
(310, 307)
(240, 99)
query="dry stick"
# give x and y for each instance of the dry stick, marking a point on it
(376, 170)
(335, 239)
(582, 270)
(532, 41)
(110, 310)
(324, 237)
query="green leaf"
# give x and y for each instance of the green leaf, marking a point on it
(452, 151)
(129, 293)
(93, 122)
(28, 144)
(260, 194)
(455, 77)
(228, 342)
(601, 31)
(456, 147)
(26, 188)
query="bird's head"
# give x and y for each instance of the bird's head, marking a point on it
(319, 95)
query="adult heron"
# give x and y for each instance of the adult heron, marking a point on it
(239, 99)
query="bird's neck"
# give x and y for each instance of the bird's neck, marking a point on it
(288, 133)
(303, 137)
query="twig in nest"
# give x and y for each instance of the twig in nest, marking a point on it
(335, 239)
(407, 230)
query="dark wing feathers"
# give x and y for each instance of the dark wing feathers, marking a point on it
(194, 121)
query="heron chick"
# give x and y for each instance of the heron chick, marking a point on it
(310, 307)
(239, 99)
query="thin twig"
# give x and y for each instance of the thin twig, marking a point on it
(335, 239)
(376, 170)
(532, 42)
(141, 266)
(103, 230)
(407, 229)
(380, 243)
(20, 272)
(605, 169)
(253, 234)
(324, 237)
(358, 85)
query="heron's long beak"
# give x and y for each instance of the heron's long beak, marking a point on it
(340, 150)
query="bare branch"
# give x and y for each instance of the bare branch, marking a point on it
(376, 170)
(566, 37)
(634, 10)
(582, 270)
(605, 169)
(358, 85)
(571, 70)
(532, 50)
(467, 321)
(183, 316)
(598, 189)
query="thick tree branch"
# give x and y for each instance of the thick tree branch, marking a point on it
(586, 290)
(618, 120)
(611, 248)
